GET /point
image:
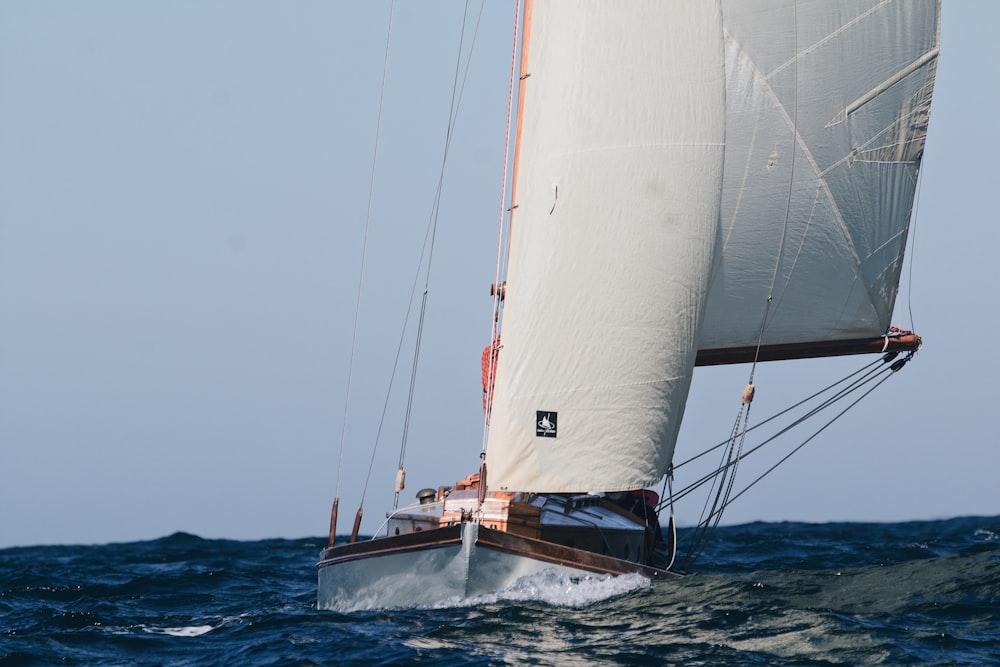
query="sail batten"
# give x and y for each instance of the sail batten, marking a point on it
(884, 86)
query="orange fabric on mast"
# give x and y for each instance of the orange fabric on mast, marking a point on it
(489, 362)
(525, 41)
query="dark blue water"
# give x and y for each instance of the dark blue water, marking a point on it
(923, 593)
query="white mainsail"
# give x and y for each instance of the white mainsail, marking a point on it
(617, 192)
(828, 104)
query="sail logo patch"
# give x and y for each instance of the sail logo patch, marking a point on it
(545, 424)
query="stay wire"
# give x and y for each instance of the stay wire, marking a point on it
(732, 473)
(722, 468)
(869, 377)
(809, 439)
(849, 389)
(700, 531)
(731, 466)
(399, 349)
(724, 471)
(364, 246)
(913, 247)
(502, 248)
(668, 488)
(788, 197)
(456, 96)
(395, 367)
(783, 412)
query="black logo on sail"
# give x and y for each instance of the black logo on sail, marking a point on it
(545, 424)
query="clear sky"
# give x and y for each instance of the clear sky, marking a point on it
(183, 195)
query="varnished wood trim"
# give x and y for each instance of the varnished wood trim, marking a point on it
(425, 539)
(563, 555)
(490, 539)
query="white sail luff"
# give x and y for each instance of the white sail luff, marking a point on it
(612, 241)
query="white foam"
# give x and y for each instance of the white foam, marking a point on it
(551, 586)
(560, 589)
(187, 631)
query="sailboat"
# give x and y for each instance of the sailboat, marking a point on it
(693, 184)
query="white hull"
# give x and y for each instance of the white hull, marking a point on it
(426, 576)
(447, 565)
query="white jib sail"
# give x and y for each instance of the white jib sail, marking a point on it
(828, 104)
(617, 191)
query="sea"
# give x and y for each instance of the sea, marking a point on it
(916, 593)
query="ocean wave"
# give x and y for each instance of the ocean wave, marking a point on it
(906, 593)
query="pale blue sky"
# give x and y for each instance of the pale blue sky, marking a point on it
(183, 189)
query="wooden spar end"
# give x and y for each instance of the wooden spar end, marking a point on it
(333, 522)
(906, 342)
(482, 483)
(357, 526)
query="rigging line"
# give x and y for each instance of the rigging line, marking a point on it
(395, 367)
(782, 412)
(732, 473)
(913, 248)
(413, 291)
(432, 225)
(409, 308)
(810, 438)
(731, 467)
(723, 467)
(795, 126)
(497, 300)
(364, 246)
(695, 485)
(707, 532)
(813, 412)
(668, 487)
(791, 183)
(714, 495)
(726, 473)
(870, 376)
(399, 347)
(700, 530)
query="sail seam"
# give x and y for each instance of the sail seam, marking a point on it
(691, 144)
(833, 35)
(886, 243)
(798, 252)
(746, 167)
(810, 158)
(599, 387)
